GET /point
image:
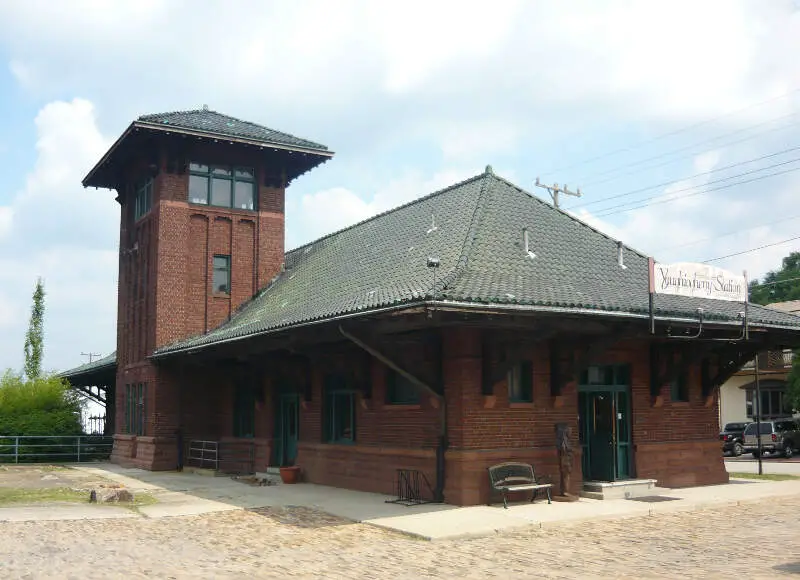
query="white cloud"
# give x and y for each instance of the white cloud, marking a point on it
(332, 209)
(6, 216)
(65, 234)
(431, 85)
(372, 68)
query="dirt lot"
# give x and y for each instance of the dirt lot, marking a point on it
(304, 543)
(44, 477)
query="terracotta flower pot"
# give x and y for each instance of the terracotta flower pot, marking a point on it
(290, 474)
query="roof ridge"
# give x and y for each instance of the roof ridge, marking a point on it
(149, 117)
(466, 248)
(569, 215)
(387, 212)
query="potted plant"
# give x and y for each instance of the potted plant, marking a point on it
(289, 473)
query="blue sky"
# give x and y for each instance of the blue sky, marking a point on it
(412, 97)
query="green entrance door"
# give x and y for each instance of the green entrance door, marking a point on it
(286, 428)
(604, 407)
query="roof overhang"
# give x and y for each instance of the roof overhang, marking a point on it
(491, 309)
(101, 176)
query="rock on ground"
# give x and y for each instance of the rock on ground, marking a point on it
(114, 496)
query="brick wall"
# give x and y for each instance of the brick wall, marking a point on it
(165, 294)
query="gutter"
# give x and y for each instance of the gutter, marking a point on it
(347, 316)
(456, 306)
(491, 308)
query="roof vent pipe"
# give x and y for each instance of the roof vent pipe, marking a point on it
(525, 239)
(621, 256)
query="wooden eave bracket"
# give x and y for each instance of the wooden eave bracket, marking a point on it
(390, 362)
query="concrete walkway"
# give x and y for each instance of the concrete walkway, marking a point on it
(182, 494)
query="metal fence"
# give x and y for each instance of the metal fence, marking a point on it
(204, 454)
(54, 449)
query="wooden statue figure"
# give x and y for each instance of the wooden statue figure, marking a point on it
(564, 447)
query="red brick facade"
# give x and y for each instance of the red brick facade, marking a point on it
(165, 294)
(165, 290)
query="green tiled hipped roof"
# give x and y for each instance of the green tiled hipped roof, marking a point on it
(475, 228)
(211, 122)
(107, 362)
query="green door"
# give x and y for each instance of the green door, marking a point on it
(286, 429)
(604, 408)
(601, 436)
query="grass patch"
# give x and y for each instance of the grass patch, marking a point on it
(766, 476)
(16, 495)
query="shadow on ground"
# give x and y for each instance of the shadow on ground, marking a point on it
(790, 568)
(300, 517)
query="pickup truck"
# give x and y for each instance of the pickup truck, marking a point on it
(732, 438)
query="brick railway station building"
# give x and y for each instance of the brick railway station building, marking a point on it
(443, 336)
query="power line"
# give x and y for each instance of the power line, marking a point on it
(671, 133)
(751, 250)
(660, 201)
(662, 184)
(786, 219)
(692, 146)
(690, 155)
(760, 284)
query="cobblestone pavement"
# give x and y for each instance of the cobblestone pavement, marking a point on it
(300, 543)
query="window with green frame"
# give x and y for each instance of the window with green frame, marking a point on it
(221, 278)
(143, 198)
(679, 387)
(135, 408)
(606, 375)
(339, 411)
(222, 186)
(520, 382)
(400, 390)
(244, 411)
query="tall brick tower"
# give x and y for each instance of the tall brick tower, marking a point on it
(201, 231)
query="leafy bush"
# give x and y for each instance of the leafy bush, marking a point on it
(42, 406)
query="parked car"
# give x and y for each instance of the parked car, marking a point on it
(732, 437)
(777, 436)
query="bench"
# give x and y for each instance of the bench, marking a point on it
(506, 477)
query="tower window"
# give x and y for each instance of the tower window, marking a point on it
(143, 198)
(222, 274)
(222, 186)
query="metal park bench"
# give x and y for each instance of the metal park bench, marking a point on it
(510, 477)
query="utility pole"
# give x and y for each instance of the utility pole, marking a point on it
(757, 409)
(555, 190)
(91, 355)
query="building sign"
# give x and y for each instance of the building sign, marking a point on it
(697, 281)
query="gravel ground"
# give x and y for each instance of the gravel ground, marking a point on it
(302, 543)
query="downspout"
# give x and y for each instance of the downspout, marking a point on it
(442, 445)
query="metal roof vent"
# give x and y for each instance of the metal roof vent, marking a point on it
(621, 256)
(205, 107)
(525, 239)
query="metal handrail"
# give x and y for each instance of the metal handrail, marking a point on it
(204, 453)
(71, 448)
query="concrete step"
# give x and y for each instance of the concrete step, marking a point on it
(624, 489)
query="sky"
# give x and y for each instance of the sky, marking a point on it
(688, 112)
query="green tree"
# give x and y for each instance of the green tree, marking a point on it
(35, 335)
(778, 285)
(41, 406)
